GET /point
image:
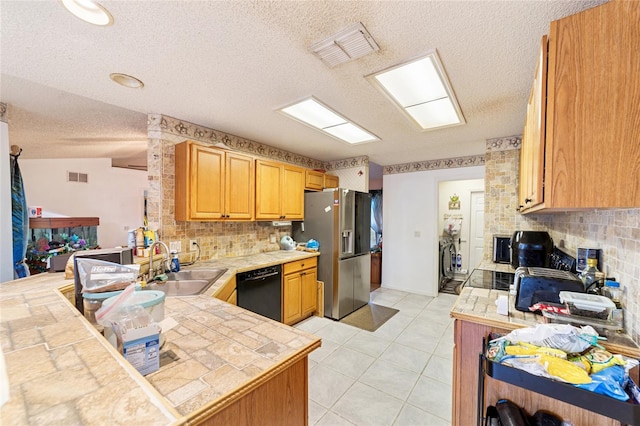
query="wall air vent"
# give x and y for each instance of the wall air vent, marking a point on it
(77, 177)
(347, 45)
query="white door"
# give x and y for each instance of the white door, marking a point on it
(476, 230)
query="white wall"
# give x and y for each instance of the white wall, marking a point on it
(411, 227)
(6, 233)
(115, 195)
(354, 178)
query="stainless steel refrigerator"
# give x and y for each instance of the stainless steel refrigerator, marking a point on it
(340, 220)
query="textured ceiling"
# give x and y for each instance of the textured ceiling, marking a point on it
(229, 65)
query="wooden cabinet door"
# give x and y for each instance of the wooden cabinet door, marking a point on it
(199, 190)
(533, 140)
(291, 298)
(292, 192)
(314, 181)
(239, 187)
(309, 292)
(593, 155)
(268, 190)
(331, 181)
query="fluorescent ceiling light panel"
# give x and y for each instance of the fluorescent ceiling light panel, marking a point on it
(313, 113)
(434, 114)
(344, 46)
(421, 90)
(349, 132)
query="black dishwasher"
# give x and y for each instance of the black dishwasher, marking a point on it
(260, 291)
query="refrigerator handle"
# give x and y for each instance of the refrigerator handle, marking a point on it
(347, 241)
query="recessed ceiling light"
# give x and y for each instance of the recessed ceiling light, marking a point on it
(317, 115)
(421, 90)
(126, 80)
(89, 11)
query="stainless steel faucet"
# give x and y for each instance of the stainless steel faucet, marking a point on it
(166, 261)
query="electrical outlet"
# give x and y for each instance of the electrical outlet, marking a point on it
(416, 234)
(272, 238)
(175, 246)
(193, 245)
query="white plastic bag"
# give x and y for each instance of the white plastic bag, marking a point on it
(97, 276)
(558, 336)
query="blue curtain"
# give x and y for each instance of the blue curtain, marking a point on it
(376, 212)
(20, 219)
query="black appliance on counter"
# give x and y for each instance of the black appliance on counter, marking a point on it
(531, 248)
(502, 249)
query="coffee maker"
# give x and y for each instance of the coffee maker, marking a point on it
(531, 248)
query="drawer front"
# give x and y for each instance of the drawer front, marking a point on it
(299, 265)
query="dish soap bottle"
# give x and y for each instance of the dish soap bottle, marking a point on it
(175, 262)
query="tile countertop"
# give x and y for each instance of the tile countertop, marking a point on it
(478, 305)
(60, 369)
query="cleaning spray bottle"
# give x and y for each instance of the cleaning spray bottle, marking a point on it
(175, 261)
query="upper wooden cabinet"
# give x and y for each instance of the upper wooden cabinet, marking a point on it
(317, 181)
(313, 180)
(532, 150)
(331, 181)
(212, 184)
(592, 150)
(279, 191)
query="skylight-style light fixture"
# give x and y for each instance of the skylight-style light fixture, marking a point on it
(89, 11)
(421, 89)
(317, 115)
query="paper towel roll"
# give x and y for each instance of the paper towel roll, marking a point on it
(503, 305)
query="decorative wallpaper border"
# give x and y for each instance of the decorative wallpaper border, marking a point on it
(504, 143)
(160, 126)
(445, 163)
(3, 112)
(347, 163)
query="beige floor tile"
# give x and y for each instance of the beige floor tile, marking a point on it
(326, 386)
(408, 381)
(365, 405)
(348, 362)
(390, 379)
(407, 357)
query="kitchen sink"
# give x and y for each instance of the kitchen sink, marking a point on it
(188, 282)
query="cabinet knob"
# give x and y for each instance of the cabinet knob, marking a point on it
(528, 200)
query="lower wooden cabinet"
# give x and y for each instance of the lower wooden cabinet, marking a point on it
(228, 292)
(299, 290)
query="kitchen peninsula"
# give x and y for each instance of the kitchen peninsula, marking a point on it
(475, 317)
(221, 364)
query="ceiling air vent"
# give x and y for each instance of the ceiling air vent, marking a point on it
(77, 177)
(347, 45)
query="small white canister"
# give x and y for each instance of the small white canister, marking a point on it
(35, 211)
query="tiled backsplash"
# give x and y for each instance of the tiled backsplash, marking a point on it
(617, 232)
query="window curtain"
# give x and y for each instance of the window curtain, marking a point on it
(376, 212)
(20, 219)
